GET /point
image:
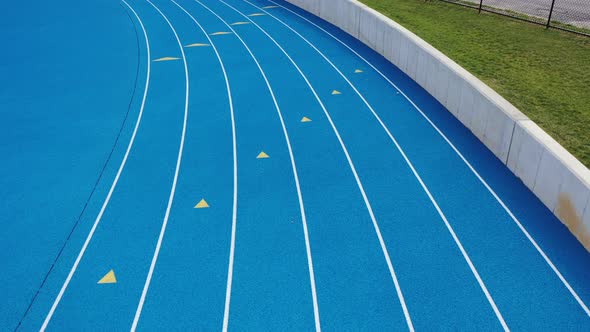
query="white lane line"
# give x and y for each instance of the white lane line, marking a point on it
(174, 182)
(113, 185)
(353, 169)
(230, 267)
(488, 187)
(297, 185)
(409, 163)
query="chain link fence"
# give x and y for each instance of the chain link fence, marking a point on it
(568, 15)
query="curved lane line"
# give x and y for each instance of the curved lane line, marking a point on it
(235, 157)
(174, 182)
(353, 169)
(488, 187)
(299, 195)
(418, 177)
(108, 198)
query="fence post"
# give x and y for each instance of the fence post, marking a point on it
(550, 13)
(481, 4)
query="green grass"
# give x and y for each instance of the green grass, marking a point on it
(544, 73)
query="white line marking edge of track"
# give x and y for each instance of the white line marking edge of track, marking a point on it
(235, 174)
(114, 184)
(174, 182)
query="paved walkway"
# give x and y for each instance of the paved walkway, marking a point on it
(574, 12)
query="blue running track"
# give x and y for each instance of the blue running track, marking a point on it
(243, 165)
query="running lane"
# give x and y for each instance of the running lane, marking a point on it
(280, 175)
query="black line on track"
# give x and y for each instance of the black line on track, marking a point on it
(97, 180)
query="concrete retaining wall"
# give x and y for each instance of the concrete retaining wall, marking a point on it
(560, 181)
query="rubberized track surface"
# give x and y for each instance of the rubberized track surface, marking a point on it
(242, 165)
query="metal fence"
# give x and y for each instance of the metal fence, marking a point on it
(568, 15)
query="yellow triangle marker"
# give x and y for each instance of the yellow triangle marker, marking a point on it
(108, 278)
(196, 45)
(202, 204)
(220, 33)
(166, 58)
(336, 92)
(256, 14)
(240, 23)
(358, 71)
(305, 119)
(270, 7)
(262, 155)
